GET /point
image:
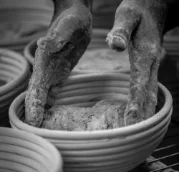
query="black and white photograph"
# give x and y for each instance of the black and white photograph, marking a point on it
(89, 86)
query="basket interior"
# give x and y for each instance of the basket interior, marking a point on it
(2, 82)
(161, 100)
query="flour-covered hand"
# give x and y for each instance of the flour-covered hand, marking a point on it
(57, 53)
(140, 25)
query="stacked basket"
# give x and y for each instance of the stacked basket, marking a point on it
(25, 152)
(14, 77)
(171, 42)
(22, 21)
(111, 150)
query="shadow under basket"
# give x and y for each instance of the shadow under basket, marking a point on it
(14, 78)
(113, 150)
(25, 152)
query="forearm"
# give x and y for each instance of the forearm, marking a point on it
(61, 5)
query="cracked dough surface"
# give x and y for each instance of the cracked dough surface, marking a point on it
(105, 114)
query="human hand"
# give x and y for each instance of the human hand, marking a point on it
(139, 25)
(57, 54)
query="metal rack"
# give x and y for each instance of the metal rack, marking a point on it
(166, 157)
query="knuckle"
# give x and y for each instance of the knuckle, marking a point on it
(155, 51)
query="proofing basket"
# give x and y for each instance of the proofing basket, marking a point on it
(25, 152)
(22, 21)
(14, 77)
(112, 150)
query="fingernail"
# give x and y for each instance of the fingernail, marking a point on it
(117, 42)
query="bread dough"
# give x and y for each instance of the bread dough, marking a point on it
(106, 114)
(66, 118)
(103, 60)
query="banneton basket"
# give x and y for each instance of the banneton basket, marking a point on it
(14, 77)
(112, 150)
(21, 151)
(23, 22)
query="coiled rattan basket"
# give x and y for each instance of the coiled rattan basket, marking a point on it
(25, 152)
(23, 21)
(111, 150)
(14, 76)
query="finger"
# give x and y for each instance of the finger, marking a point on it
(42, 78)
(127, 18)
(138, 88)
(141, 58)
(152, 90)
(37, 92)
(34, 106)
(69, 59)
(65, 64)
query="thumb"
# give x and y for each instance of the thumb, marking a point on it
(127, 18)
